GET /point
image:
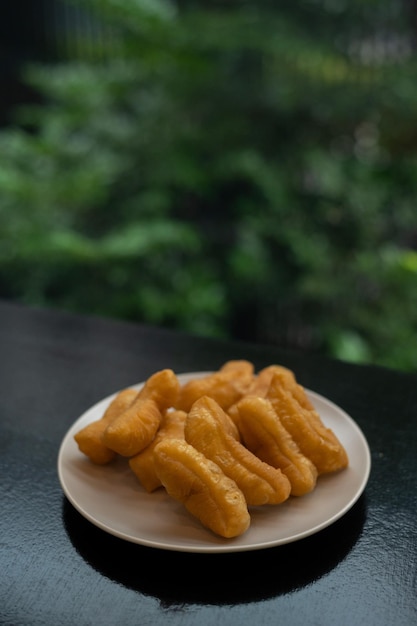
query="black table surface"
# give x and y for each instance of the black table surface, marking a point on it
(58, 568)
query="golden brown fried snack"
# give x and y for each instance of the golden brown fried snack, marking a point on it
(242, 371)
(142, 464)
(224, 420)
(263, 433)
(287, 380)
(300, 395)
(134, 429)
(206, 429)
(317, 442)
(262, 380)
(260, 385)
(226, 385)
(202, 487)
(163, 387)
(90, 438)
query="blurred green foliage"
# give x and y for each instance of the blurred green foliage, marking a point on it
(235, 169)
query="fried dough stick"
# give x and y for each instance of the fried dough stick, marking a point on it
(142, 464)
(226, 385)
(262, 380)
(134, 429)
(318, 443)
(263, 433)
(202, 487)
(260, 385)
(243, 373)
(90, 438)
(206, 429)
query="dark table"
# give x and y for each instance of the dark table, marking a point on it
(57, 568)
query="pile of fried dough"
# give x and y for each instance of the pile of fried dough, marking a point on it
(220, 443)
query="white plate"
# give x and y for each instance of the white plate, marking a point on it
(112, 498)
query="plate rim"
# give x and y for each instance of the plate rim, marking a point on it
(89, 415)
